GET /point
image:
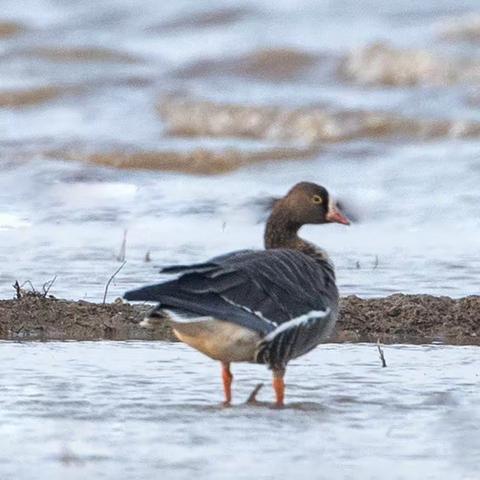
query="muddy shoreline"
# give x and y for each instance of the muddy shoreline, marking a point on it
(394, 319)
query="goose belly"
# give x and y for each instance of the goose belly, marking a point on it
(218, 339)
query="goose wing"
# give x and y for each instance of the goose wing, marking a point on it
(260, 290)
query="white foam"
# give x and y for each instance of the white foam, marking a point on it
(9, 221)
(92, 193)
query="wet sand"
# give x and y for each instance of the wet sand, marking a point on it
(199, 161)
(383, 64)
(394, 319)
(311, 125)
(274, 64)
(81, 55)
(463, 28)
(9, 29)
(26, 97)
(36, 317)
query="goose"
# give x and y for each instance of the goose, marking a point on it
(262, 306)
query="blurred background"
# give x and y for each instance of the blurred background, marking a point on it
(170, 123)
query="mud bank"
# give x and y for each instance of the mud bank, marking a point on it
(394, 319)
(9, 29)
(312, 126)
(383, 64)
(200, 161)
(464, 28)
(28, 97)
(274, 64)
(78, 55)
(34, 317)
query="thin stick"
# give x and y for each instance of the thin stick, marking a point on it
(18, 290)
(110, 281)
(48, 285)
(123, 249)
(252, 398)
(382, 356)
(28, 282)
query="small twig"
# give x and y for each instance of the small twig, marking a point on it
(18, 330)
(110, 281)
(48, 285)
(28, 282)
(382, 356)
(18, 290)
(67, 457)
(252, 398)
(123, 249)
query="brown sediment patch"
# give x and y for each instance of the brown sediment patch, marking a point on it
(32, 96)
(394, 319)
(199, 161)
(270, 64)
(188, 117)
(34, 317)
(382, 64)
(401, 318)
(9, 29)
(80, 55)
(465, 28)
(213, 18)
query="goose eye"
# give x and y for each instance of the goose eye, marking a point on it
(317, 199)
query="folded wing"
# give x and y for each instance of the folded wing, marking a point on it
(260, 290)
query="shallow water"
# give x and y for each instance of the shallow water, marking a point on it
(116, 410)
(81, 79)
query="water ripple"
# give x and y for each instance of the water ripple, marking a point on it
(140, 406)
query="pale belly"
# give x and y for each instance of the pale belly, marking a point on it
(218, 339)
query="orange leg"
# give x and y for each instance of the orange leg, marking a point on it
(279, 387)
(227, 382)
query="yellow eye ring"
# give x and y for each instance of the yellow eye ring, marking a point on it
(317, 199)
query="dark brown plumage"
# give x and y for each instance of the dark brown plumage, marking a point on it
(305, 203)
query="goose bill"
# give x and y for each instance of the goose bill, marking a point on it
(335, 216)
